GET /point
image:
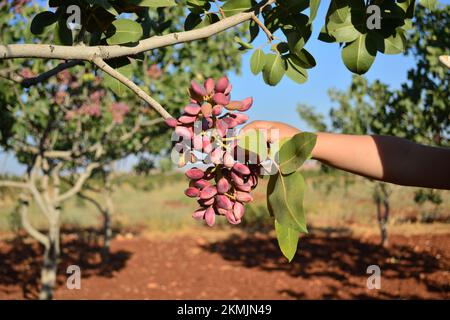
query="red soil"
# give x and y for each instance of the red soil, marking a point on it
(237, 267)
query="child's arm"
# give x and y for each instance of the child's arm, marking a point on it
(385, 158)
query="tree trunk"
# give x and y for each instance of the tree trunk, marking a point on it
(50, 263)
(107, 223)
(381, 197)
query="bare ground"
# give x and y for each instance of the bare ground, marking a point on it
(235, 266)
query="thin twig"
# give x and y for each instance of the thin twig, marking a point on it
(130, 84)
(263, 27)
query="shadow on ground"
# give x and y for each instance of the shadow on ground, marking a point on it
(337, 255)
(21, 259)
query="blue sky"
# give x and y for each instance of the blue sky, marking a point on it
(279, 103)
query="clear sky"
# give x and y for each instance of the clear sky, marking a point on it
(279, 103)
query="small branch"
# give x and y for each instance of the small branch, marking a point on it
(220, 9)
(79, 183)
(88, 53)
(14, 184)
(130, 84)
(28, 82)
(27, 224)
(263, 27)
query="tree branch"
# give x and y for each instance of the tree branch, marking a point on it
(130, 84)
(14, 184)
(28, 82)
(88, 53)
(27, 225)
(79, 183)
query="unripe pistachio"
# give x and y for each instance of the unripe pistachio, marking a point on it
(241, 169)
(217, 110)
(223, 185)
(206, 109)
(238, 210)
(171, 122)
(209, 86)
(222, 84)
(194, 174)
(210, 216)
(234, 105)
(220, 98)
(192, 192)
(201, 183)
(237, 179)
(246, 104)
(208, 192)
(187, 119)
(199, 214)
(223, 202)
(198, 89)
(206, 202)
(192, 109)
(243, 196)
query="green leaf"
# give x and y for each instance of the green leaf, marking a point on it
(232, 7)
(394, 44)
(313, 7)
(63, 35)
(255, 142)
(257, 61)
(287, 240)
(285, 199)
(192, 20)
(105, 4)
(41, 21)
(208, 19)
(359, 55)
(325, 37)
(295, 72)
(274, 69)
(338, 11)
(304, 59)
(297, 40)
(429, 4)
(343, 31)
(295, 151)
(116, 86)
(154, 3)
(125, 31)
(244, 45)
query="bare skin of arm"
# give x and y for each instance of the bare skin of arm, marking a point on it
(383, 158)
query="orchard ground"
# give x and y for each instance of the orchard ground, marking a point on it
(160, 252)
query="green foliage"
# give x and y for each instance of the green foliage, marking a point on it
(124, 31)
(287, 240)
(127, 22)
(346, 22)
(294, 152)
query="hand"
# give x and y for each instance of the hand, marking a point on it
(275, 130)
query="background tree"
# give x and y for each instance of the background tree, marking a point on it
(72, 124)
(69, 123)
(418, 111)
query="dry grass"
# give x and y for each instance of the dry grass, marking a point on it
(157, 204)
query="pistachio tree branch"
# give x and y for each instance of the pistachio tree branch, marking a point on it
(263, 27)
(14, 184)
(32, 231)
(28, 82)
(79, 183)
(88, 53)
(130, 84)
